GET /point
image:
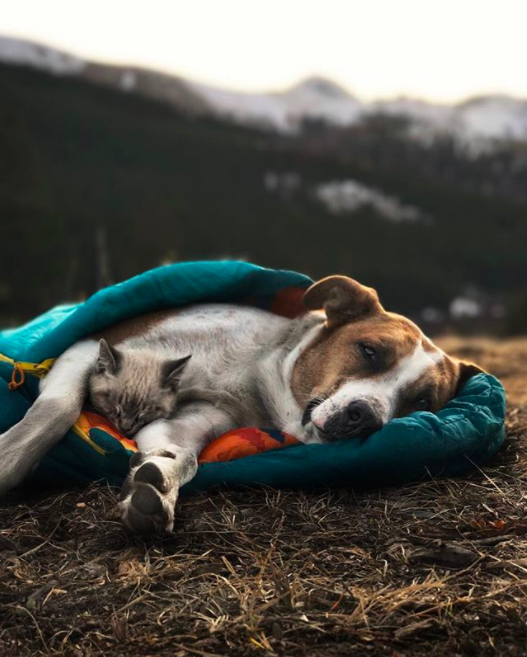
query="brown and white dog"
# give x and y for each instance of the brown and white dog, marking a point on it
(340, 371)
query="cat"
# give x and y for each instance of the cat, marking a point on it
(132, 387)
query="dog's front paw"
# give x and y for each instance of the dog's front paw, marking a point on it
(149, 494)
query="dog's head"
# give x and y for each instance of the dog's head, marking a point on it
(367, 365)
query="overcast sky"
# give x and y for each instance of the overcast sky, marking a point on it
(439, 49)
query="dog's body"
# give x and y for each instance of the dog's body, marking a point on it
(326, 375)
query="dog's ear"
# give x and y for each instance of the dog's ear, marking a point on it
(108, 359)
(342, 299)
(465, 372)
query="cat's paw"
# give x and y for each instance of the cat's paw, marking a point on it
(149, 494)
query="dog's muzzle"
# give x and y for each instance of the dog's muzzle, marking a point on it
(357, 420)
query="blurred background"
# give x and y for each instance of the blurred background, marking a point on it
(383, 140)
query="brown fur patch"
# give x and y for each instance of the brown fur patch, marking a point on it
(437, 384)
(336, 357)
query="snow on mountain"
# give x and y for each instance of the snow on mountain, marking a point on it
(477, 120)
(492, 117)
(21, 52)
(475, 123)
(343, 196)
(486, 118)
(159, 86)
(284, 111)
(427, 120)
(319, 98)
(249, 108)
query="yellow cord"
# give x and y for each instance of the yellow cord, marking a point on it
(20, 369)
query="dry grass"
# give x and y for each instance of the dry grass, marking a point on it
(437, 568)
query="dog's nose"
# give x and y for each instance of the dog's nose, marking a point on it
(358, 419)
(362, 421)
(357, 412)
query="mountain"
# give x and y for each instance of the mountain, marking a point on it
(476, 120)
(315, 98)
(26, 53)
(477, 123)
(128, 79)
(105, 173)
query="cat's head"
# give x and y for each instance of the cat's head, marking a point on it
(132, 388)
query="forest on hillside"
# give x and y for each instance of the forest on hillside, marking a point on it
(96, 186)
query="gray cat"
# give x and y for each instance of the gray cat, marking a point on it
(132, 387)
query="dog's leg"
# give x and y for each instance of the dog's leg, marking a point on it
(168, 459)
(55, 410)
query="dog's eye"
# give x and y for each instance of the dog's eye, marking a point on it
(423, 404)
(368, 352)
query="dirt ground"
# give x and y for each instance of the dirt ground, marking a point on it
(436, 568)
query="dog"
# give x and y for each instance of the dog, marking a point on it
(340, 371)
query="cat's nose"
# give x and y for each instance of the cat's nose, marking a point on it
(127, 427)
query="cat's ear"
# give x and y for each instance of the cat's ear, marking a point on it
(172, 371)
(108, 359)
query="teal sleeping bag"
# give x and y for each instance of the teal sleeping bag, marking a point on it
(465, 434)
